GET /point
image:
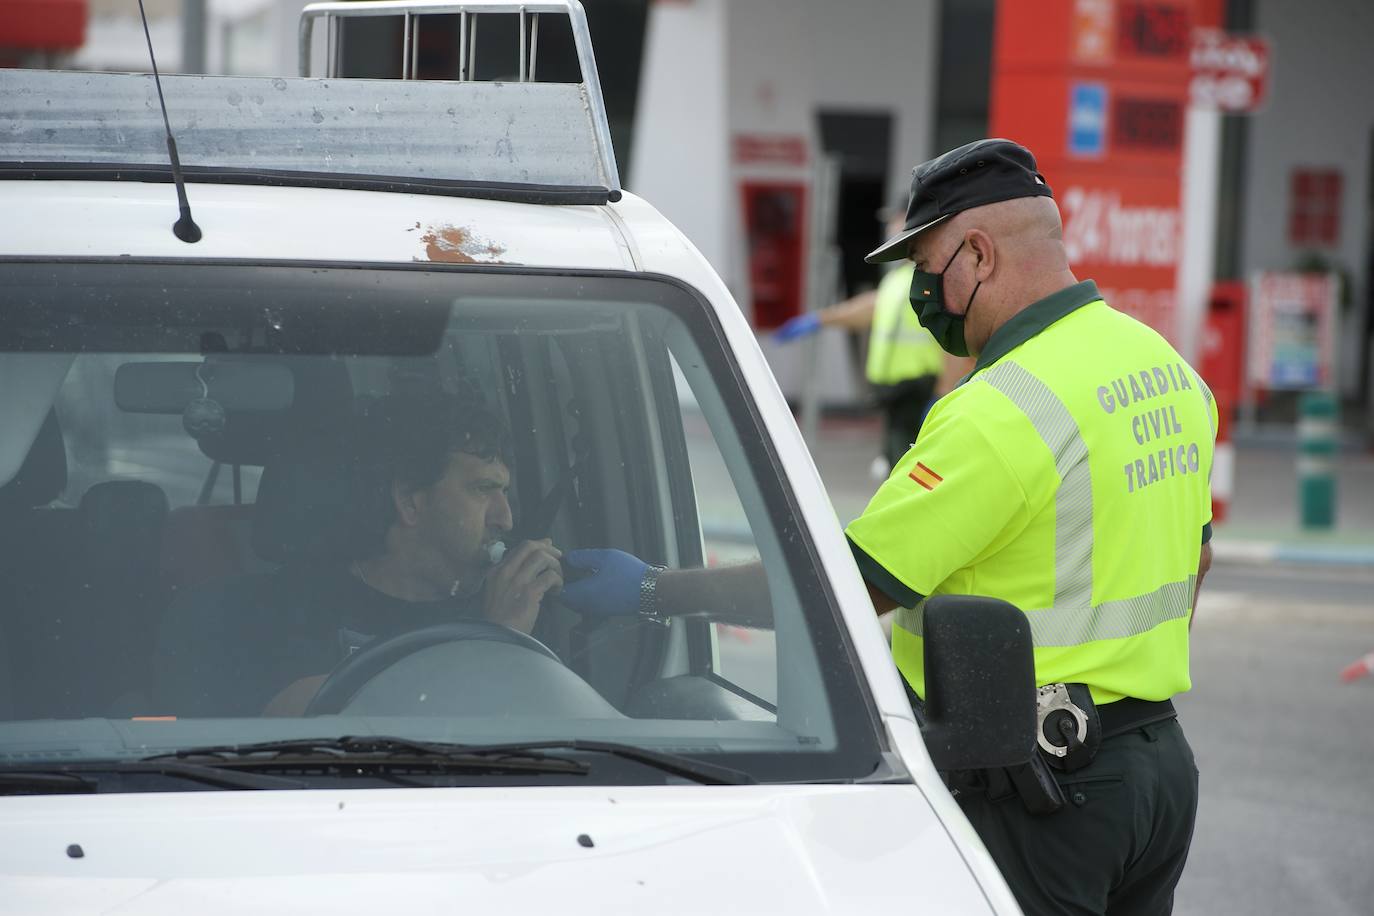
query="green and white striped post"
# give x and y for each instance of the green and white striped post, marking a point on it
(1317, 446)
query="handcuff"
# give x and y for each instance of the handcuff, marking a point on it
(1067, 730)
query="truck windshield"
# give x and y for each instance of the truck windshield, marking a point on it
(247, 503)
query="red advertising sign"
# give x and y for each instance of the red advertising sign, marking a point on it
(1230, 72)
(1098, 90)
(761, 149)
(1314, 208)
(1124, 235)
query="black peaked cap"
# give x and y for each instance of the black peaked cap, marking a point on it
(978, 173)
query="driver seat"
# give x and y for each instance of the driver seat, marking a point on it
(222, 646)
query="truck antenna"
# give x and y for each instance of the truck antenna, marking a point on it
(184, 228)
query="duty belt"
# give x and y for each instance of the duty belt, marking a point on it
(1129, 714)
(1070, 728)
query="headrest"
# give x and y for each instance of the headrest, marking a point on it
(121, 524)
(122, 504)
(323, 400)
(309, 506)
(43, 475)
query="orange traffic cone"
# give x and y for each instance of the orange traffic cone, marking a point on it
(1356, 670)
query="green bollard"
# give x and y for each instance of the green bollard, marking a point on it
(1317, 459)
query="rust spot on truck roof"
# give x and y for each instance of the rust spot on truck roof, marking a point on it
(459, 245)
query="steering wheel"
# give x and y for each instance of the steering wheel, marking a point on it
(362, 666)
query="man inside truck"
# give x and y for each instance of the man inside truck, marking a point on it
(391, 529)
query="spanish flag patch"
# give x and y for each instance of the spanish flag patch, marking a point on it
(925, 476)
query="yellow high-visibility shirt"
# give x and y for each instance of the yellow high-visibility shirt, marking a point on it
(1067, 475)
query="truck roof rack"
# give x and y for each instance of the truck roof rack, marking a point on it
(525, 141)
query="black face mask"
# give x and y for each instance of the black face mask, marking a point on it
(928, 299)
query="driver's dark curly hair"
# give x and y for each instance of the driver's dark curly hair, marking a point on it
(409, 440)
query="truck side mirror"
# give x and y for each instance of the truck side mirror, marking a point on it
(980, 683)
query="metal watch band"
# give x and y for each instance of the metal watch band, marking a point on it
(648, 592)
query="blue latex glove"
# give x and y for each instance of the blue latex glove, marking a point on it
(602, 582)
(799, 326)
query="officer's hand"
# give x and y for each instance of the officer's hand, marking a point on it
(603, 582)
(517, 585)
(800, 326)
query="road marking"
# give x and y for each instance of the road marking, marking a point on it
(1217, 606)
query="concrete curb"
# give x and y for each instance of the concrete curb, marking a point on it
(1265, 552)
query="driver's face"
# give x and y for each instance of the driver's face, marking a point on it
(465, 511)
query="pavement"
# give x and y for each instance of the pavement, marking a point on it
(1261, 523)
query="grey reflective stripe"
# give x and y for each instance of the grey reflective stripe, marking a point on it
(911, 619)
(1073, 500)
(1111, 619)
(1065, 627)
(1073, 619)
(1207, 396)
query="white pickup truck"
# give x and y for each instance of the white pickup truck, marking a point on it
(180, 504)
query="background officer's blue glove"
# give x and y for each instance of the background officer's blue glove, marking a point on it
(799, 326)
(602, 582)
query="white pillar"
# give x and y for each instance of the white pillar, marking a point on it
(1201, 165)
(679, 160)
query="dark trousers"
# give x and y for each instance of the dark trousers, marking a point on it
(1119, 844)
(904, 407)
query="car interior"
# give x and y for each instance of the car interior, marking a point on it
(164, 453)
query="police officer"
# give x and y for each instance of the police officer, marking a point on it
(1066, 475)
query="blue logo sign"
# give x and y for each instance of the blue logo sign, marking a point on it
(1087, 119)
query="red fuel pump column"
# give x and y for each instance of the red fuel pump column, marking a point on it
(775, 228)
(1098, 90)
(1222, 367)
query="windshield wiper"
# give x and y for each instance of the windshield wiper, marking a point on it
(383, 752)
(372, 754)
(83, 776)
(710, 774)
(44, 782)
